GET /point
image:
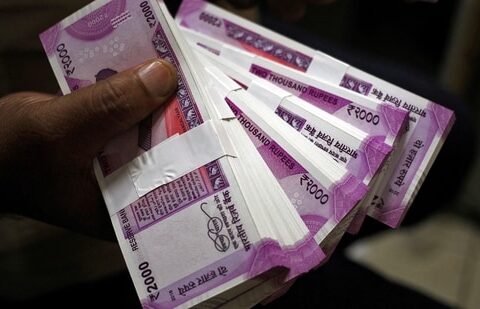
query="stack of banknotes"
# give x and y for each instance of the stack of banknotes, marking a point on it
(266, 155)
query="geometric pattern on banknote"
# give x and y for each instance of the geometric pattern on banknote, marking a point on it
(261, 43)
(293, 120)
(216, 176)
(188, 106)
(120, 19)
(314, 222)
(355, 84)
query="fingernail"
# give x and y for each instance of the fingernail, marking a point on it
(158, 77)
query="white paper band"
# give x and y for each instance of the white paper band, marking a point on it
(220, 86)
(262, 90)
(166, 162)
(239, 57)
(332, 70)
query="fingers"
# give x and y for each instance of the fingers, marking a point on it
(99, 112)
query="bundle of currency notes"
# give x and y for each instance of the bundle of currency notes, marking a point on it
(266, 155)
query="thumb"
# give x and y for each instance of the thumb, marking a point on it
(95, 114)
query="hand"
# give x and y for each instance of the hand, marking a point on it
(48, 143)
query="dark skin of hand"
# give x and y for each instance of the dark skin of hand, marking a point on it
(48, 143)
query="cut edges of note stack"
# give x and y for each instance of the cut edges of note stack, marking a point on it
(428, 126)
(323, 192)
(332, 112)
(325, 195)
(362, 154)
